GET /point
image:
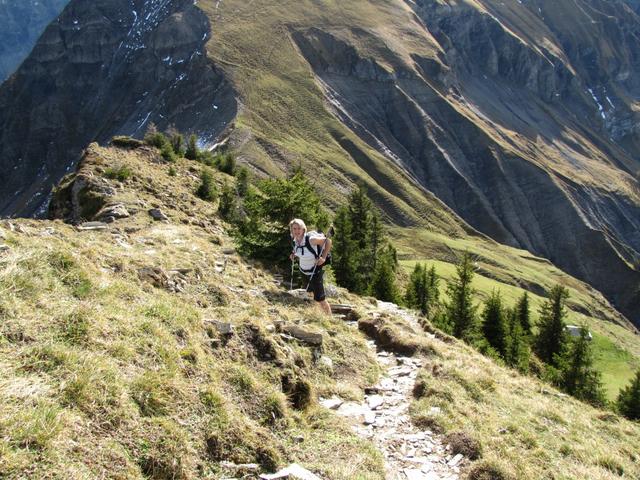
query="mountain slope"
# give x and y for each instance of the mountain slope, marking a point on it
(482, 106)
(102, 68)
(114, 366)
(22, 23)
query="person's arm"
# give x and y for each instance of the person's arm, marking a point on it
(326, 244)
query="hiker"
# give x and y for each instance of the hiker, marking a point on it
(311, 249)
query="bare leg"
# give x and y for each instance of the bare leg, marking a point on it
(324, 306)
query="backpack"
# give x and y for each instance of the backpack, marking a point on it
(316, 251)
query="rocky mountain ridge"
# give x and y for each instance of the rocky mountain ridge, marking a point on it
(115, 66)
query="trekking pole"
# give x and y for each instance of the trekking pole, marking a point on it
(292, 264)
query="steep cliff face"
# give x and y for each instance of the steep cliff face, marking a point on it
(22, 23)
(507, 126)
(104, 68)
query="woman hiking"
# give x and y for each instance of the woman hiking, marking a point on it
(312, 249)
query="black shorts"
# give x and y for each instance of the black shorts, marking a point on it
(317, 286)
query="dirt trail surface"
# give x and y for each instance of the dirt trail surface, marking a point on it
(410, 453)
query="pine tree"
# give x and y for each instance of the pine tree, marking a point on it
(522, 311)
(579, 378)
(422, 290)
(461, 313)
(517, 354)
(433, 286)
(192, 148)
(494, 327)
(551, 341)
(629, 399)
(383, 284)
(264, 233)
(207, 189)
(228, 203)
(344, 250)
(416, 287)
(242, 181)
(359, 242)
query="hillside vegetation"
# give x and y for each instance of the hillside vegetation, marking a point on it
(113, 365)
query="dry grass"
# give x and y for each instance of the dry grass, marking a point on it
(107, 376)
(525, 429)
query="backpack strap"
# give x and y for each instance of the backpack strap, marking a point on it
(315, 251)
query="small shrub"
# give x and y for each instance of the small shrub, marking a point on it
(172, 171)
(155, 138)
(228, 203)
(120, 173)
(168, 154)
(463, 443)
(207, 189)
(177, 143)
(242, 181)
(125, 141)
(226, 163)
(192, 148)
(489, 470)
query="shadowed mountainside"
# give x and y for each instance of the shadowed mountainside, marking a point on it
(508, 129)
(105, 67)
(22, 23)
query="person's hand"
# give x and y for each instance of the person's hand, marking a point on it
(291, 256)
(320, 261)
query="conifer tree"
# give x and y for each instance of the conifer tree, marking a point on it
(522, 311)
(358, 243)
(629, 399)
(207, 189)
(461, 313)
(579, 378)
(551, 341)
(264, 233)
(422, 290)
(517, 354)
(494, 327)
(417, 286)
(383, 283)
(344, 250)
(242, 181)
(433, 286)
(192, 148)
(228, 203)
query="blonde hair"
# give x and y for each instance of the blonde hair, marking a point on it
(299, 222)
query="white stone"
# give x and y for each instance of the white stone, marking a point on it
(369, 418)
(375, 401)
(455, 460)
(332, 403)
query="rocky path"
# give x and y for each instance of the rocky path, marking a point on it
(410, 453)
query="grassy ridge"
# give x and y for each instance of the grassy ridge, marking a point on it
(105, 375)
(525, 428)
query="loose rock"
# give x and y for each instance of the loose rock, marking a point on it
(158, 215)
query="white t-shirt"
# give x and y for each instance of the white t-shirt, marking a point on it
(306, 259)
